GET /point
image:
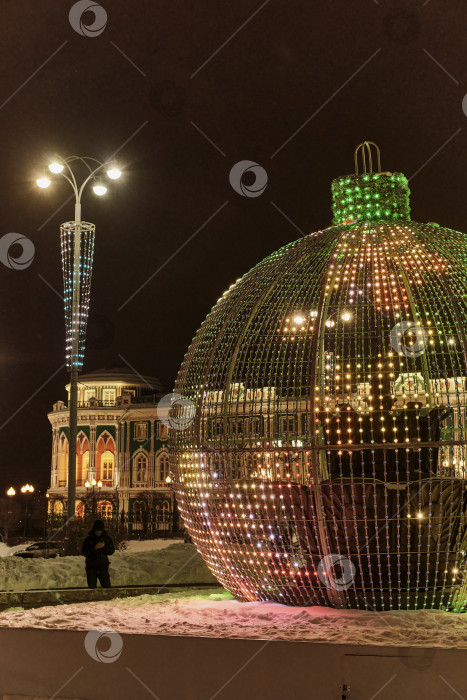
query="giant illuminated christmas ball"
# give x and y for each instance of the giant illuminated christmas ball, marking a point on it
(325, 461)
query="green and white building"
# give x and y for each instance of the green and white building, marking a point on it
(122, 461)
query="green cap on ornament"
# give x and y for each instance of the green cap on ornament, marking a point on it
(370, 196)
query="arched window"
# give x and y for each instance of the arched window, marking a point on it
(58, 508)
(85, 465)
(141, 467)
(107, 462)
(105, 510)
(79, 509)
(138, 512)
(163, 466)
(62, 461)
(165, 512)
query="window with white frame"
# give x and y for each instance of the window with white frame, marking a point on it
(165, 512)
(109, 396)
(138, 512)
(141, 467)
(236, 427)
(89, 394)
(107, 463)
(163, 466)
(288, 424)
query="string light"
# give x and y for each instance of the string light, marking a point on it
(76, 325)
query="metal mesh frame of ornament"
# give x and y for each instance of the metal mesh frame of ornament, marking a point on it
(67, 240)
(326, 461)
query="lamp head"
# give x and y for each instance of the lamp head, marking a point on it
(55, 167)
(114, 173)
(99, 189)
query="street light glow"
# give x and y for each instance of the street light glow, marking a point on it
(27, 488)
(99, 189)
(114, 173)
(11, 491)
(43, 182)
(55, 167)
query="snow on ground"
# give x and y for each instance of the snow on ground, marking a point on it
(6, 551)
(207, 614)
(131, 546)
(146, 545)
(177, 563)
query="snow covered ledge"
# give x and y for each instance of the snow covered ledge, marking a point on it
(208, 646)
(40, 663)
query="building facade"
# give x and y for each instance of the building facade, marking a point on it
(122, 462)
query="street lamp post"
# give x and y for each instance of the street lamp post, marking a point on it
(27, 489)
(77, 238)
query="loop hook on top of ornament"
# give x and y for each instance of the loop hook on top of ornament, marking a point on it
(364, 149)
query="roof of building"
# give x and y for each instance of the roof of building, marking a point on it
(120, 374)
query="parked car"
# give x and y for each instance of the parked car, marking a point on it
(46, 550)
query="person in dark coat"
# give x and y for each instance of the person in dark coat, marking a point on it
(97, 547)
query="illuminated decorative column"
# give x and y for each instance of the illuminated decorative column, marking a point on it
(77, 242)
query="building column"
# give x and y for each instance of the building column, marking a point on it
(92, 452)
(54, 472)
(127, 451)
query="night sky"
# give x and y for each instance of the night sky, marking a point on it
(192, 88)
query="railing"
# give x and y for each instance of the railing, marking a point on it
(110, 484)
(97, 403)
